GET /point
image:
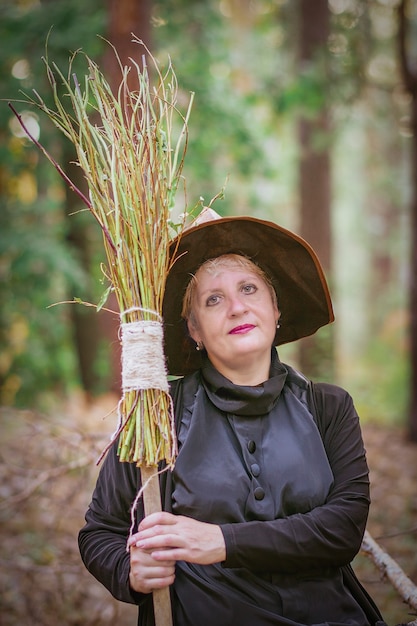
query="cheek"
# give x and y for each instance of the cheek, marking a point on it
(277, 312)
(192, 328)
(198, 324)
(203, 325)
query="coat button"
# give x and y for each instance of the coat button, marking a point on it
(255, 469)
(259, 493)
(251, 446)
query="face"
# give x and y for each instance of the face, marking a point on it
(234, 316)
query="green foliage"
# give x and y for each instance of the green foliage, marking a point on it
(25, 31)
(38, 266)
(240, 59)
(230, 120)
(381, 378)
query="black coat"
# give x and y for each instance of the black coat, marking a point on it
(310, 545)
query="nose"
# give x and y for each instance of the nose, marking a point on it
(237, 305)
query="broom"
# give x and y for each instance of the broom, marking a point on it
(132, 164)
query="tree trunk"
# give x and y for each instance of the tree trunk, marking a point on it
(413, 277)
(125, 17)
(316, 352)
(410, 83)
(86, 332)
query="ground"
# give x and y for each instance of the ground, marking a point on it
(47, 472)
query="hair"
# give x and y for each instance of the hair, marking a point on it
(213, 266)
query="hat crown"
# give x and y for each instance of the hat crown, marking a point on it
(207, 214)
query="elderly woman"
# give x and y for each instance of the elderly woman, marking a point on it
(268, 501)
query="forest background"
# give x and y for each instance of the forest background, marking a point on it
(302, 115)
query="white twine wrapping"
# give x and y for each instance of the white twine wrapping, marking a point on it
(143, 366)
(143, 361)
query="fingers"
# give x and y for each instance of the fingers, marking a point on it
(154, 525)
(146, 574)
(162, 518)
(176, 537)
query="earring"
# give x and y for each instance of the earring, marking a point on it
(199, 346)
(278, 325)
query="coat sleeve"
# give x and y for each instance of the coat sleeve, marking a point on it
(102, 541)
(329, 535)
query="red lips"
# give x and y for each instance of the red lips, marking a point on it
(240, 330)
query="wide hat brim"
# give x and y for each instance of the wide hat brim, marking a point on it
(294, 268)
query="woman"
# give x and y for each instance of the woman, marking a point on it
(268, 501)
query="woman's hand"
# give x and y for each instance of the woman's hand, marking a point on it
(167, 538)
(147, 574)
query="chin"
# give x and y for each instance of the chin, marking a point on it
(253, 351)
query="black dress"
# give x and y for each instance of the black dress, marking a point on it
(291, 499)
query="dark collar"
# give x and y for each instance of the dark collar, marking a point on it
(241, 399)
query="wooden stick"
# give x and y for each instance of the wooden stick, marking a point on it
(152, 504)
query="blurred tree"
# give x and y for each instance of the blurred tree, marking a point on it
(314, 128)
(229, 67)
(409, 73)
(316, 352)
(124, 17)
(370, 219)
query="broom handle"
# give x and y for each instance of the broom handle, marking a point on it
(152, 504)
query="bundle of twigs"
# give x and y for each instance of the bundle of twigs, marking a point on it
(132, 164)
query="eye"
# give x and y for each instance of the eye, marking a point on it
(249, 288)
(212, 300)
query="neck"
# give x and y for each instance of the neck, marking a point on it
(245, 374)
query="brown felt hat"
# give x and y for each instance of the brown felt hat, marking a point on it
(297, 276)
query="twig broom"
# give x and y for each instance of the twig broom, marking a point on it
(132, 165)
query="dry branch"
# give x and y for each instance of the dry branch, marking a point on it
(391, 570)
